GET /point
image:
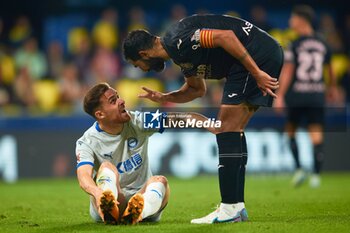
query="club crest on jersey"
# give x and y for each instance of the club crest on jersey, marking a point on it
(132, 142)
(196, 38)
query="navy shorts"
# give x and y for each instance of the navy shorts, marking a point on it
(241, 86)
(306, 115)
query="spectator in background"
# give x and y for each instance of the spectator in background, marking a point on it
(71, 91)
(55, 59)
(23, 88)
(105, 66)
(137, 19)
(177, 12)
(105, 32)
(302, 85)
(21, 31)
(80, 54)
(346, 33)
(30, 58)
(345, 82)
(258, 17)
(331, 34)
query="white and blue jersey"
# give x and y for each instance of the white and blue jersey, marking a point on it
(127, 151)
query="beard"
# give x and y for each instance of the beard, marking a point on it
(155, 63)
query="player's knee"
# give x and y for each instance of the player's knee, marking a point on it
(161, 179)
(225, 127)
(107, 164)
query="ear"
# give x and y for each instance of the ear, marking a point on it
(143, 53)
(99, 114)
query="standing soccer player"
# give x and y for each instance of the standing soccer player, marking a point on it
(216, 47)
(303, 86)
(112, 162)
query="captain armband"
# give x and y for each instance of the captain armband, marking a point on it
(206, 38)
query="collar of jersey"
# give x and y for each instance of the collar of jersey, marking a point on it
(97, 126)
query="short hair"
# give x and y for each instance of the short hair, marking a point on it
(135, 42)
(306, 12)
(92, 98)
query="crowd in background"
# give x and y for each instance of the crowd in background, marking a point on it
(51, 76)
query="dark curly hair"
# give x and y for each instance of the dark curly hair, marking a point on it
(135, 42)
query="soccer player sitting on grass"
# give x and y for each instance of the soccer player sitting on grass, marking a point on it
(112, 163)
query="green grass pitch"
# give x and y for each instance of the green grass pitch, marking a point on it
(53, 205)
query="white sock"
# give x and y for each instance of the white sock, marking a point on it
(153, 198)
(227, 208)
(240, 206)
(106, 179)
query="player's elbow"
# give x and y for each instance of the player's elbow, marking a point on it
(200, 92)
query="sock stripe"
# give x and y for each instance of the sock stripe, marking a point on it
(153, 190)
(240, 154)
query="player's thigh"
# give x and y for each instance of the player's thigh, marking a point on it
(234, 118)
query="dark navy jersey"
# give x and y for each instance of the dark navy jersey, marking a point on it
(309, 54)
(183, 44)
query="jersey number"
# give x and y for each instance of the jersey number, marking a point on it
(310, 66)
(247, 28)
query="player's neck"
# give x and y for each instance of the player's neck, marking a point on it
(161, 52)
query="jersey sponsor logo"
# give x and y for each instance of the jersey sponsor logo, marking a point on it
(109, 155)
(186, 66)
(131, 164)
(247, 28)
(132, 142)
(179, 42)
(204, 71)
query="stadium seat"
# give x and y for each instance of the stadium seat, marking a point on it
(47, 94)
(129, 89)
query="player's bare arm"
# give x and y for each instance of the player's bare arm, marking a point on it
(86, 182)
(228, 40)
(193, 88)
(333, 92)
(285, 81)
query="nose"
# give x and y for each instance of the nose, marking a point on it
(121, 101)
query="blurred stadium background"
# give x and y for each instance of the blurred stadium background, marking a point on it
(51, 52)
